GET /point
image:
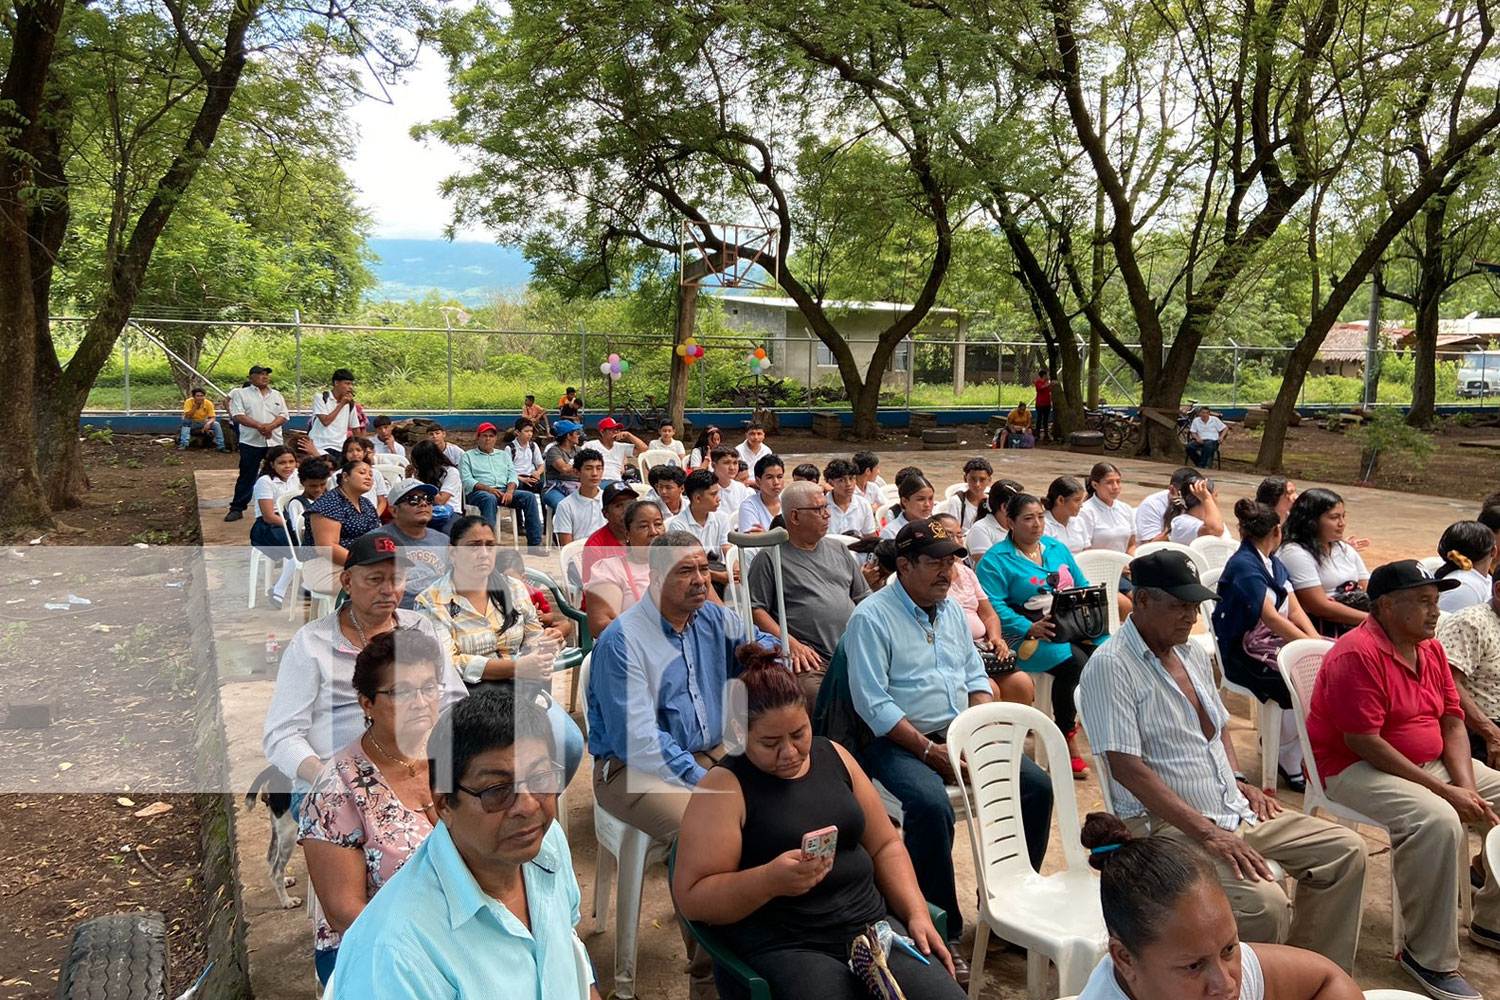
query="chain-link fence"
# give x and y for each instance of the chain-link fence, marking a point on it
(437, 370)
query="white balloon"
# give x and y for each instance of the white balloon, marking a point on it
(604, 368)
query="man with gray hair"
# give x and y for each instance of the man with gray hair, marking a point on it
(821, 583)
(656, 701)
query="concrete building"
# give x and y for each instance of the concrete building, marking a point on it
(797, 353)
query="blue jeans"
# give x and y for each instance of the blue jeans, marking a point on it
(1202, 455)
(324, 959)
(927, 823)
(188, 426)
(525, 504)
(555, 495)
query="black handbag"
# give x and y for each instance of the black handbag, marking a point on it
(1080, 614)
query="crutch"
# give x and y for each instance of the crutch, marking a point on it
(772, 540)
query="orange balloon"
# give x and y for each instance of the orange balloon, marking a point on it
(689, 360)
(760, 352)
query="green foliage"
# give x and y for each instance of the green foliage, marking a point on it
(1400, 448)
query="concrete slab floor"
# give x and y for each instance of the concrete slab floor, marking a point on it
(1398, 526)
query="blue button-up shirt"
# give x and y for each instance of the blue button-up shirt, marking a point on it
(656, 695)
(431, 932)
(902, 665)
(495, 469)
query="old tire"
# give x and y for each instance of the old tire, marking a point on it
(119, 957)
(1087, 442)
(940, 435)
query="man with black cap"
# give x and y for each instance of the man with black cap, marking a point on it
(426, 550)
(314, 710)
(1388, 735)
(335, 414)
(1151, 708)
(489, 483)
(259, 411)
(607, 540)
(912, 668)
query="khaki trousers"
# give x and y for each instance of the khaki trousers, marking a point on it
(1326, 860)
(650, 804)
(1429, 854)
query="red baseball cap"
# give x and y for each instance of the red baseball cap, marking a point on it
(486, 427)
(610, 424)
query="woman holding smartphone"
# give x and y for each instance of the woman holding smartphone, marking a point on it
(741, 865)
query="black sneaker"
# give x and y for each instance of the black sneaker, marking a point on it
(1441, 985)
(234, 515)
(1484, 936)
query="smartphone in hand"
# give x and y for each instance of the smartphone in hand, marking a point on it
(820, 843)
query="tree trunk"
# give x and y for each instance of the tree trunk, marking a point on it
(1429, 295)
(865, 401)
(687, 317)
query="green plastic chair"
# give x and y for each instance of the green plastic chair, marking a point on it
(727, 962)
(572, 658)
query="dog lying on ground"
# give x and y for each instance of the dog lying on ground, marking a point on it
(271, 787)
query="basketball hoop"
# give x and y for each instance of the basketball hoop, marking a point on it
(727, 255)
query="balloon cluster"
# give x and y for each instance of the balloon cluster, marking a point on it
(614, 367)
(689, 352)
(758, 361)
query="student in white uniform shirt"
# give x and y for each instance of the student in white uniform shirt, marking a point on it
(994, 528)
(1172, 932)
(1322, 564)
(1151, 515)
(1063, 502)
(618, 446)
(754, 447)
(335, 414)
(666, 440)
(972, 505)
(1110, 521)
(526, 455)
(1468, 552)
(581, 514)
(916, 497)
(848, 511)
(732, 492)
(1198, 514)
(438, 435)
(385, 437)
(867, 477)
(702, 519)
(667, 482)
(757, 512)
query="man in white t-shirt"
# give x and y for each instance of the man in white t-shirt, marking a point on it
(1204, 435)
(732, 492)
(385, 438)
(581, 514)
(258, 411)
(667, 440)
(848, 511)
(754, 447)
(335, 414)
(702, 519)
(438, 435)
(618, 446)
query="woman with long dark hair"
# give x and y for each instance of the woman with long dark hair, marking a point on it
(432, 467)
(1327, 573)
(986, 531)
(701, 456)
(1277, 492)
(916, 499)
(741, 864)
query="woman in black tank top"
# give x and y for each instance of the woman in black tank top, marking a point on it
(740, 863)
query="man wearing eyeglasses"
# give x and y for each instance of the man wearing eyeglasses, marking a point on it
(488, 904)
(821, 584)
(426, 550)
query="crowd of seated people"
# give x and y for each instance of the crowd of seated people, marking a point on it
(417, 728)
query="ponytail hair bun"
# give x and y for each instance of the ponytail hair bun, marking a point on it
(1103, 834)
(767, 683)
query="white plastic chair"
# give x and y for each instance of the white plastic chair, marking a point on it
(261, 566)
(624, 854)
(1216, 549)
(392, 464)
(1102, 567)
(1054, 917)
(1431, 563)
(571, 559)
(1267, 714)
(641, 489)
(1492, 848)
(1199, 559)
(652, 457)
(891, 493)
(949, 491)
(322, 603)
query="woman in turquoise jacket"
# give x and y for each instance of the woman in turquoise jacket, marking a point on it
(1021, 573)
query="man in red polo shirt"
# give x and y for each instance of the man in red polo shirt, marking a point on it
(1388, 735)
(609, 540)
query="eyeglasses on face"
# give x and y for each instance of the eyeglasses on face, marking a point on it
(821, 510)
(500, 797)
(406, 695)
(417, 500)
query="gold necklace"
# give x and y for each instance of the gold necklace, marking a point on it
(411, 769)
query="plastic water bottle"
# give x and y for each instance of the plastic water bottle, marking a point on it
(273, 653)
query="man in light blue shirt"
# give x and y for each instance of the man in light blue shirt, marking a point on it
(489, 483)
(656, 701)
(912, 668)
(486, 907)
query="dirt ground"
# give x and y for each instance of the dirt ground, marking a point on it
(65, 858)
(62, 860)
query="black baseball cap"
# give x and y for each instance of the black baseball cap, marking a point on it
(615, 491)
(259, 370)
(341, 375)
(1404, 574)
(374, 547)
(1173, 572)
(927, 537)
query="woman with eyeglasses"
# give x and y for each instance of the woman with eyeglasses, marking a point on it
(493, 631)
(372, 807)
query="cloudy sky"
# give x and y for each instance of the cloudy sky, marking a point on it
(397, 176)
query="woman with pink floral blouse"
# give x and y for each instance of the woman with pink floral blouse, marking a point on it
(371, 808)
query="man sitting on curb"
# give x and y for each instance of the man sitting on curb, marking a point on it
(198, 417)
(489, 483)
(1388, 734)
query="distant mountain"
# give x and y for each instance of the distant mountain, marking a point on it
(468, 272)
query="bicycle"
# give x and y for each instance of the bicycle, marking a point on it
(640, 417)
(1118, 428)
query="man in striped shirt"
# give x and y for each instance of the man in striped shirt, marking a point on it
(1151, 708)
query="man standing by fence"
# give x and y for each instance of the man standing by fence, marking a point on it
(259, 411)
